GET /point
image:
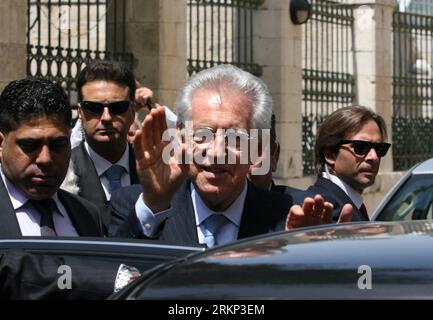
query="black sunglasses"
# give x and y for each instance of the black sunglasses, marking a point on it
(115, 107)
(362, 148)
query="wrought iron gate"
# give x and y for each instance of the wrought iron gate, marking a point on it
(328, 81)
(221, 31)
(63, 35)
(412, 124)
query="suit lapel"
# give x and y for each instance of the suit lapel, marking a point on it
(132, 168)
(259, 215)
(79, 215)
(340, 196)
(88, 179)
(9, 226)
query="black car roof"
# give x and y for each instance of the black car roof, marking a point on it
(319, 262)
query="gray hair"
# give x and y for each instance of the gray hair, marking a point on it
(233, 78)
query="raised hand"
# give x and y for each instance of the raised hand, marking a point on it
(160, 178)
(315, 211)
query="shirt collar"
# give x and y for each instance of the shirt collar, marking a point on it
(233, 213)
(18, 198)
(102, 164)
(354, 195)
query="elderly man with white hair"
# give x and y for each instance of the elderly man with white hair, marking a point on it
(207, 200)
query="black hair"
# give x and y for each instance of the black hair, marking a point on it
(25, 99)
(114, 71)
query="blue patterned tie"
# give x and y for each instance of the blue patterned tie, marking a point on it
(114, 175)
(212, 225)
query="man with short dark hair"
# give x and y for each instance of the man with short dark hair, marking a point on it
(105, 161)
(34, 150)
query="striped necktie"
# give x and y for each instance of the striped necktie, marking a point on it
(114, 175)
(213, 225)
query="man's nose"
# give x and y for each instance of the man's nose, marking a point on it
(106, 116)
(44, 155)
(217, 148)
(372, 155)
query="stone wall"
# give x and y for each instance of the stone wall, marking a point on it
(13, 21)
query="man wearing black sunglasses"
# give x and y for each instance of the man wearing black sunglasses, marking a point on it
(348, 150)
(105, 161)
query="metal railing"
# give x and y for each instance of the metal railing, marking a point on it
(328, 80)
(221, 31)
(63, 35)
(412, 124)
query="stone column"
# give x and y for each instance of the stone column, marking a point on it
(156, 36)
(373, 61)
(13, 40)
(278, 48)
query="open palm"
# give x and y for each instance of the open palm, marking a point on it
(160, 177)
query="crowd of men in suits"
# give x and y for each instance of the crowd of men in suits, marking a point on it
(130, 190)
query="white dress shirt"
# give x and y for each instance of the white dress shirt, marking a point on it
(354, 195)
(228, 233)
(102, 165)
(28, 217)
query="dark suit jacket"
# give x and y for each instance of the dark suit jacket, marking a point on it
(89, 182)
(331, 193)
(32, 276)
(264, 211)
(84, 215)
(293, 192)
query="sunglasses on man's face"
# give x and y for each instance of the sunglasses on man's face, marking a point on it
(115, 107)
(362, 148)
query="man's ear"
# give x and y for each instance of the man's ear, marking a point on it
(80, 112)
(330, 157)
(2, 140)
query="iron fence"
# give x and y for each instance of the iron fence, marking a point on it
(63, 35)
(328, 80)
(412, 123)
(221, 31)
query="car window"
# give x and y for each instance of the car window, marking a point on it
(142, 254)
(413, 201)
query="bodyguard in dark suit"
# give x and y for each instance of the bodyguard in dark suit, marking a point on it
(35, 149)
(104, 161)
(216, 109)
(34, 153)
(349, 147)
